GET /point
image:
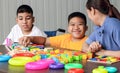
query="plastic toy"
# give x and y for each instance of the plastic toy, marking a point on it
(111, 69)
(24, 54)
(42, 64)
(4, 58)
(100, 69)
(75, 70)
(49, 61)
(36, 57)
(36, 65)
(73, 65)
(56, 66)
(20, 61)
(104, 59)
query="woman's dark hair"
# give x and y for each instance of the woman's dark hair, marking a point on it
(104, 6)
(77, 14)
(24, 8)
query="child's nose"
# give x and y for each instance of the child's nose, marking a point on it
(24, 21)
(76, 26)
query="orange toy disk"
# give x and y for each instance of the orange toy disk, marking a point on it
(26, 54)
(75, 70)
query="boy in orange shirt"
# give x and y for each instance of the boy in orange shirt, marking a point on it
(72, 40)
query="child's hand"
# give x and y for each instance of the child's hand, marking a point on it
(25, 40)
(95, 46)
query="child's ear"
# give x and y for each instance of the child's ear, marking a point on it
(86, 28)
(33, 20)
(68, 29)
(16, 19)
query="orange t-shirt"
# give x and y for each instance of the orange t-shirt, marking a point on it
(64, 41)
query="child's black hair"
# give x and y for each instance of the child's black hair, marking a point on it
(77, 14)
(24, 8)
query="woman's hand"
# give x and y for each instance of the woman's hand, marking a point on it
(25, 40)
(94, 47)
(101, 53)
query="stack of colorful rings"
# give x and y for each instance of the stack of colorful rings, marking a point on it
(73, 65)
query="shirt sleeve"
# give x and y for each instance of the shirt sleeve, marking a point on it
(56, 40)
(116, 36)
(37, 32)
(10, 36)
(91, 38)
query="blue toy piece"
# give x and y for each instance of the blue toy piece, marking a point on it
(4, 58)
(111, 69)
(55, 59)
(93, 59)
(56, 66)
(43, 56)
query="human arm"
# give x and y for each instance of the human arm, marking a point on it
(92, 44)
(93, 47)
(85, 47)
(108, 53)
(26, 40)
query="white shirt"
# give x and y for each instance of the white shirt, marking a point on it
(16, 33)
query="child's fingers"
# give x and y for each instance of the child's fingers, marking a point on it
(21, 40)
(26, 41)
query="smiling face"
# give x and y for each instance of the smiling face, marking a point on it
(77, 27)
(25, 21)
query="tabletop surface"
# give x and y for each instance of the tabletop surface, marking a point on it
(87, 66)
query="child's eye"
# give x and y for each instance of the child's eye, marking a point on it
(28, 18)
(20, 18)
(72, 24)
(80, 24)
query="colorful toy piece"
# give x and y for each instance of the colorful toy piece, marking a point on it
(104, 59)
(4, 58)
(100, 69)
(56, 66)
(75, 70)
(42, 64)
(36, 65)
(36, 57)
(24, 54)
(111, 69)
(20, 61)
(73, 65)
